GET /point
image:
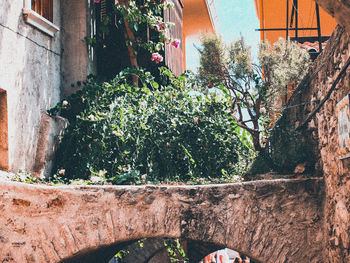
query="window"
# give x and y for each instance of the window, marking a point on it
(40, 14)
(43, 8)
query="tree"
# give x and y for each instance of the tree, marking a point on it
(251, 87)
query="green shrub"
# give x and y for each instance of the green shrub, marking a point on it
(152, 133)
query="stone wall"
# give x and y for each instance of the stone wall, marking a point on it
(30, 75)
(336, 172)
(270, 221)
(315, 100)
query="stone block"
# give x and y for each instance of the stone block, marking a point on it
(51, 129)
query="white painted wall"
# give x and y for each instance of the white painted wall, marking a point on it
(30, 73)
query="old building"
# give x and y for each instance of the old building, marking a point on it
(43, 52)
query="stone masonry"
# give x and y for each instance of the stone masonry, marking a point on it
(322, 129)
(271, 221)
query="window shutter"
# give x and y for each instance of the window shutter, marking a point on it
(174, 56)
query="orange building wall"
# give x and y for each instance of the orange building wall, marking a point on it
(196, 19)
(272, 14)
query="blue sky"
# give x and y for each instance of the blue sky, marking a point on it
(236, 18)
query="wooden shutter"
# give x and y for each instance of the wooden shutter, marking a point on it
(43, 8)
(174, 57)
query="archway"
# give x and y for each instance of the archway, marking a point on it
(151, 250)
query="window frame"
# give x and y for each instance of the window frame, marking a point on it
(34, 19)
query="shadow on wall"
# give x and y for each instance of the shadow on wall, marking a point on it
(4, 160)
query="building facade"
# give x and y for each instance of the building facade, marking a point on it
(43, 52)
(296, 19)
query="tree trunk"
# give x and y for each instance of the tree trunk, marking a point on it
(129, 35)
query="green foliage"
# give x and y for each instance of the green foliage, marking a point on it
(284, 63)
(255, 90)
(175, 250)
(126, 134)
(122, 254)
(231, 70)
(139, 17)
(24, 177)
(173, 246)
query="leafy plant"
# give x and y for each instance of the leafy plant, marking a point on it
(175, 250)
(129, 134)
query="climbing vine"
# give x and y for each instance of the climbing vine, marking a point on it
(143, 27)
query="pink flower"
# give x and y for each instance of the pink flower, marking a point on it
(160, 27)
(97, 1)
(176, 43)
(64, 103)
(156, 57)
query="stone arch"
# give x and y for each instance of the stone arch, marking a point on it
(4, 159)
(271, 221)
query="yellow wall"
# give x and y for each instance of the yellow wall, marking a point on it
(272, 14)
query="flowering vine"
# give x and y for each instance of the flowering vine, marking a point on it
(139, 20)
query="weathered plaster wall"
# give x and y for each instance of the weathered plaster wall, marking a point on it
(30, 66)
(323, 130)
(271, 221)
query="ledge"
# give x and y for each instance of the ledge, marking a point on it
(39, 22)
